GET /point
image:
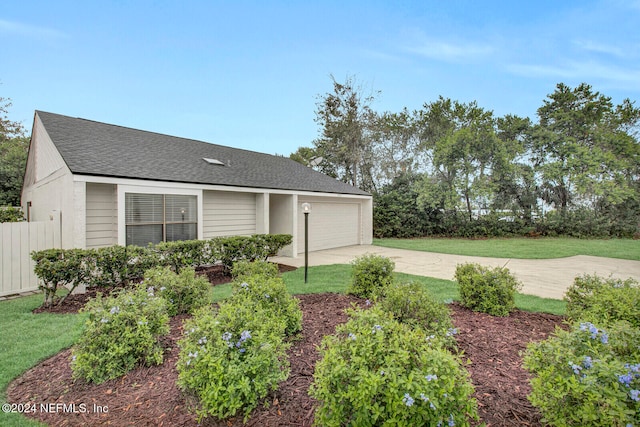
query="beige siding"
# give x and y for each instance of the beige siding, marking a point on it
(102, 215)
(332, 223)
(228, 214)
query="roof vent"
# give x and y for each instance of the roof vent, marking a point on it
(213, 161)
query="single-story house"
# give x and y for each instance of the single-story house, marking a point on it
(109, 185)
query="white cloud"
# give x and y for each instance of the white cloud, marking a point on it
(597, 47)
(29, 30)
(449, 51)
(620, 77)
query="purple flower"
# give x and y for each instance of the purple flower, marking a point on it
(431, 377)
(625, 379)
(408, 400)
(587, 362)
(635, 395)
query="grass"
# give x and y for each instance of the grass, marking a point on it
(27, 339)
(526, 248)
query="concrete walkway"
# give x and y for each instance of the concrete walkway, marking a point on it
(548, 278)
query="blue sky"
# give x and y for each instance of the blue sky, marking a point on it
(247, 74)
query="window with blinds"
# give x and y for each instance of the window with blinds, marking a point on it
(155, 218)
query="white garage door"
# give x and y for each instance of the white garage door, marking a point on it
(331, 225)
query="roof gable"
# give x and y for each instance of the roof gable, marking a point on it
(94, 148)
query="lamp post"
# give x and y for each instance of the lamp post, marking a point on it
(306, 208)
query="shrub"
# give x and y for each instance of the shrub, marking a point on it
(182, 254)
(377, 371)
(414, 305)
(370, 275)
(601, 301)
(587, 376)
(182, 292)
(58, 268)
(232, 359)
(11, 214)
(270, 294)
(121, 332)
(243, 269)
(120, 264)
(489, 290)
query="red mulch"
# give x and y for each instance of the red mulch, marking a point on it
(149, 396)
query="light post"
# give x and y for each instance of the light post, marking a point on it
(306, 208)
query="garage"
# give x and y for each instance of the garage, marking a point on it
(332, 224)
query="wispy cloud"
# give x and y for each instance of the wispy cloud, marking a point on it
(450, 51)
(26, 30)
(620, 77)
(598, 47)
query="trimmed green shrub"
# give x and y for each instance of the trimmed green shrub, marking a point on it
(370, 275)
(58, 268)
(377, 371)
(230, 250)
(587, 376)
(182, 292)
(232, 359)
(242, 269)
(270, 294)
(601, 301)
(488, 290)
(121, 332)
(182, 253)
(413, 304)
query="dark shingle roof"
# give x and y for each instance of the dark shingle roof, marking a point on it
(94, 148)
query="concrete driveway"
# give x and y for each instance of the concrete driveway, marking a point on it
(548, 278)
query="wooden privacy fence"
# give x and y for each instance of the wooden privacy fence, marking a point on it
(17, 240)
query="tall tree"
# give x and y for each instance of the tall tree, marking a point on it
(461, 142)
(585, 149)
(13, 156)
(344, 116)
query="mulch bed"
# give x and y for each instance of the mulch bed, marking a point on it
(149, 396)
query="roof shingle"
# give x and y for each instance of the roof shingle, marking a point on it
(94, 148)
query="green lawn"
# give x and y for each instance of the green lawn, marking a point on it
(29, 338)
(542, 248)
(26, 339)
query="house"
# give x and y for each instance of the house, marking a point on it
(109, 185)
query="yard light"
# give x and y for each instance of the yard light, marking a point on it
(306, 208)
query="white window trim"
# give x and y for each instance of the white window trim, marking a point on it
(123, 189)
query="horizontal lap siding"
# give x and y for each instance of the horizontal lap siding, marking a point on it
(228, 214)
(102, 215)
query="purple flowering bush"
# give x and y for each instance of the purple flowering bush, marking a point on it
(232, 358)
(121, 332)
(595, 299)
(377, 371)
(588, 375)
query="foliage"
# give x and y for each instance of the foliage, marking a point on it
(14, 146)
(269, 293)
(370, 274)
(377, 371)
(229, 250)
(412, 304)
(121, 332)
(57, 268)
(587, 376)
(113, 265)
(602, 301)
(11, 214)
(183, 293)
(231, 359)
(183, 253)
(489, 290)
(243, 269)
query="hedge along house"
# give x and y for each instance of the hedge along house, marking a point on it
(115, 185)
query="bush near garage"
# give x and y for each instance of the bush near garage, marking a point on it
(370, 275)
